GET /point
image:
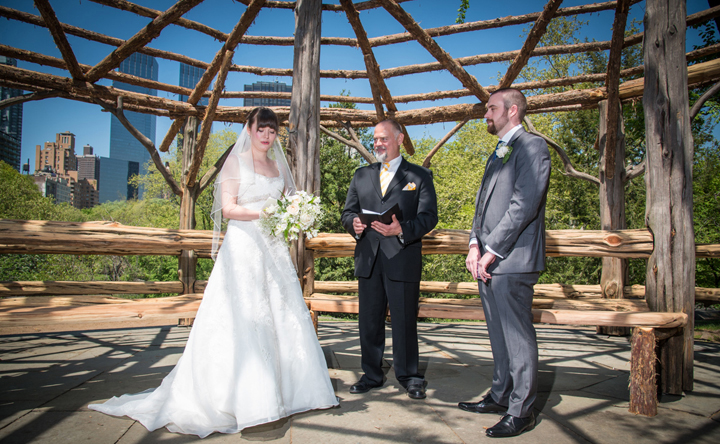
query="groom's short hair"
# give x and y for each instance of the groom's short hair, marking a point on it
(512, 96)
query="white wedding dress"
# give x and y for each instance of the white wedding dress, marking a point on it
(252, 356)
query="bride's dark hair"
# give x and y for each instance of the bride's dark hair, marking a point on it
(265, 117)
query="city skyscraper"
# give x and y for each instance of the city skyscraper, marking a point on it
(123, 145)
(57, 157)
(267, 86)
(114, 177)
(10, 123)
(189, 78)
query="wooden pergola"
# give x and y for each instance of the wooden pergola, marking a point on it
(663, 90)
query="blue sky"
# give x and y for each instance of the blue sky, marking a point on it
(43, 119)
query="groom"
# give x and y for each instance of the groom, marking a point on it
(507, 253)
(388, 258)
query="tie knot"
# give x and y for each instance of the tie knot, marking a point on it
(386, 165)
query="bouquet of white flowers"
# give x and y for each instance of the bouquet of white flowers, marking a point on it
(287, 216)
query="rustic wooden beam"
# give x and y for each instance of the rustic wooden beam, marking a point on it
(494, 23)
(379, 89)
(573, 99)
(670, 277)
(643, 388)
(208, 119)
(93, 36)
(435, 50)
(140, 39)
(612, 206)
(369, 4)
(612, 84)
(29, 97)
(456, 128)
(304, 117)
(59, 288)
(143, 11)
(61, 41)
(588, 243)
(532, 40)
(97, 37)
(135, 313)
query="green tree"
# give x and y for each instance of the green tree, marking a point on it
(21, 199)
(337, 166)
(156, 187)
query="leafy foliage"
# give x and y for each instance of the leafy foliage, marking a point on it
(464, 5)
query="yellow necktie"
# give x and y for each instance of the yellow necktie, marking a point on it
(385, 177)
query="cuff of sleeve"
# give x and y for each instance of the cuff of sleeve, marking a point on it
(493, 252)
(473, 241)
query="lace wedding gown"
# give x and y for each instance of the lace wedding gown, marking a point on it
(252, 356)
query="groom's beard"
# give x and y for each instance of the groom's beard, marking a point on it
(381, 157)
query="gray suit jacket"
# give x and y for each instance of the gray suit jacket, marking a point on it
(511, 220)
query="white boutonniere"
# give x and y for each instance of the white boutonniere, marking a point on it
(504, 151)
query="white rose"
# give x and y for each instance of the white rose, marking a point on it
(502, 150)
(293, 208)
(306, 219)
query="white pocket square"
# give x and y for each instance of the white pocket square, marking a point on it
(409, 187)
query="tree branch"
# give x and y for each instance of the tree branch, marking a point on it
(352, 144)
(426, 162)
(704, 98)
(569, 168)
(634, 171)
(147, 143)
(211, 174)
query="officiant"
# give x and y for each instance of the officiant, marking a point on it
(388, 257)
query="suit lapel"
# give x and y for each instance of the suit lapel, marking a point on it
(496, 171)
(375, 177)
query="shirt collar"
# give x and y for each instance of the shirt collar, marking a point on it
(394, 164)
(506, 138)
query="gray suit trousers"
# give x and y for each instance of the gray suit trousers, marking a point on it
(507, 302)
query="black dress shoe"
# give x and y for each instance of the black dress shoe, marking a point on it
(417, 390)
(363, 387)
(511, 426)
(487, 405)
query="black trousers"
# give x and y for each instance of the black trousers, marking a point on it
(376, 293)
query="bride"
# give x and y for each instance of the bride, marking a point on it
(252, 356)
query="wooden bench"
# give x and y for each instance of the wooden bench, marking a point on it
(648, 328)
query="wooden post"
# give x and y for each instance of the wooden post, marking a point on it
(643, 384)
(670, 278)
(188, 258)
(612, 210)
(304, 119)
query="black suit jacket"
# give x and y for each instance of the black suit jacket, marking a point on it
(412, 189)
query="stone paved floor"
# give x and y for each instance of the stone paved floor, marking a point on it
(47, 381)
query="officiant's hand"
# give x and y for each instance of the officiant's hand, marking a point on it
(358, 226)
(392, 229)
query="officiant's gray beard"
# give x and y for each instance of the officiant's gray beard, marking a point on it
(381, 157)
